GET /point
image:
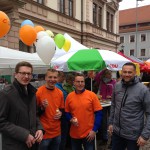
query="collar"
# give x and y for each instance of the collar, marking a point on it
(80, 92)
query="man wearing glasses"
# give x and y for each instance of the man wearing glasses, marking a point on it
(19, 124)
(83, 110)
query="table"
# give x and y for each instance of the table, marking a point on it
(106, 103)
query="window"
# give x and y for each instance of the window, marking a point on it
(99, 16)
(70, 8)
(40, 1)
(112, 23)
(23, 47)
(131, 52)
(143, 37)
(142, 52)
(108, 22)
(62, 6)
(122, 39)
(94, 14)
(132, 38)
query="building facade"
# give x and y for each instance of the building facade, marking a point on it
(134, 30)
(94, 23)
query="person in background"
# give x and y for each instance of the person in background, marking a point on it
(68, 85)
(64, 122)
(19, 123)
(83, 110)
(51, 102)
(130, 104)
(105, 85)
(89, 81)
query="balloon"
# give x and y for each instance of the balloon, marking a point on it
(50, 33)
(27, 22)
(45, 49)
(67, 45)
(41, 34)
(27, 34)
(39, 28)
(4, 24)
(59, 40)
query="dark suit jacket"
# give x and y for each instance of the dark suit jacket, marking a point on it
(18, 117)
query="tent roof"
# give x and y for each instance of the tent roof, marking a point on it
(9, 58)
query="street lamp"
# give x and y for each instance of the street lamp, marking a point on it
(122, 49)
(136, 27)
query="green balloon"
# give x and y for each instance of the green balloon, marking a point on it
(59, 40)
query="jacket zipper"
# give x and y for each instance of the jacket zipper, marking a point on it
(122, 104)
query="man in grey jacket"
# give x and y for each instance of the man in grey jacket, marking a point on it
(19, 124)
(130, 103)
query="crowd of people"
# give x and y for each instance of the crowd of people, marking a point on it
(67, 110)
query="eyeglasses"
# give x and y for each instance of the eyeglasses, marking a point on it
(81, 82)
(25, 73)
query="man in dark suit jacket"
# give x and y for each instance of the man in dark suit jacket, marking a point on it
(19, 124)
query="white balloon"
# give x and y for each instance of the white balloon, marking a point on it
(45, 49)
(41, 34)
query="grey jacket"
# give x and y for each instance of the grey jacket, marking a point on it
(18, 116)
(130, 103)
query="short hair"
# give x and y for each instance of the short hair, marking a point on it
(79, 74)
(21, 64)
(61, 73)
(130, 64)
(69, 77)
(50, 70)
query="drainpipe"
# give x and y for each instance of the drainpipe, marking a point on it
(81, 21)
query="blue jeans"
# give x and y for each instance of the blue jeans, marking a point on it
(50, 144)
(119, 143)
(77, 144)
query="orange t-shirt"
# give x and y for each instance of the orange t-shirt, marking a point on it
(55, 101)
(82, 106)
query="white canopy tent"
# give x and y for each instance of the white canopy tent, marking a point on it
(9, 58)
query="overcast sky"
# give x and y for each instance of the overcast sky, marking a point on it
(125, 4)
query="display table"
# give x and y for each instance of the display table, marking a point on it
(105, 103)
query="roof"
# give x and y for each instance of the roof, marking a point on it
(128, 16)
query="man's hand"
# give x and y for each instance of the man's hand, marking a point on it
(44, 103)
(110, 129)
(74, 121)
(58, 115)
(39, 136)
(30, 141)
(141, 141)
(91, 136)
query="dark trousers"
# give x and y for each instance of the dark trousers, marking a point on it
(104, 125)
(64, 133)
(78, 143)
(119, 143)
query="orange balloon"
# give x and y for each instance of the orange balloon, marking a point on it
(4, 24)
(27, 34)
(39, 28)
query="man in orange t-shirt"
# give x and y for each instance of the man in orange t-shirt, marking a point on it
(50, 101)
(83, 110)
